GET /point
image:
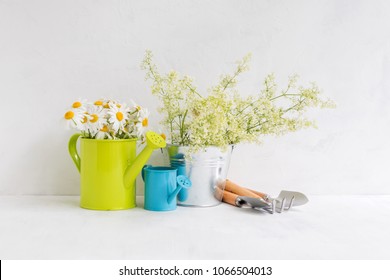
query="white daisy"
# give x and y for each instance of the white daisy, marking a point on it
(117, 116)
(96, 119)
(75, 119)
(105, 103)
(135, 106)
(107, 119)
(142, 122)
(99, 102)
(103, 133)
(80, 104)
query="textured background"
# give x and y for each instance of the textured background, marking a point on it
(52, 52)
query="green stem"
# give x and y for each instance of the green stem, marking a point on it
(230, 81)
(256, 125)
(155, 77)
(171, 128)
(182, 127)
(193, 90)
(299, 103)
(284, 94)
(246, 107)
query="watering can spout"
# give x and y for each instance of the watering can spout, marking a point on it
(182, 182)
(153, 141)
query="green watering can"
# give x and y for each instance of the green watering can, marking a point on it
(108, 169)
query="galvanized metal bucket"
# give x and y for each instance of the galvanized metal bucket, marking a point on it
(207, 170)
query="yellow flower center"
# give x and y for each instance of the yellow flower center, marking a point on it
(98, 103)
(118, 105)
(85, 119)
(106, 106)
(119, 116)
(69, 115)
(104, 128)
(94, 118)
(145, 122)
(163, 136)
(138, 108)
(76, 104)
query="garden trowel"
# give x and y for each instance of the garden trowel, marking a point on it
(241, 197)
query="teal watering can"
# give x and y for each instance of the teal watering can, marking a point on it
(162, 184)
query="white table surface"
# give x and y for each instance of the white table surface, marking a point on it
(328, 227)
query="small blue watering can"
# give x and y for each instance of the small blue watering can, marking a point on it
(162, 184)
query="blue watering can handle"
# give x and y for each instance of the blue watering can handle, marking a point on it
(143, 171)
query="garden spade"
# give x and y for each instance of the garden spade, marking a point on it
(239, 196)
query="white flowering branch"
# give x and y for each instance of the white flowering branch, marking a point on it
(223, 117)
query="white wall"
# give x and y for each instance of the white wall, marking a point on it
(52, 52)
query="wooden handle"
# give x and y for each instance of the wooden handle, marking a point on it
(234, 188)
(232, 191)
(225, 196)
(262, 195)
(229, 197)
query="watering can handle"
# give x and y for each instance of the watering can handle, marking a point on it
(143, 171)
(73, 150)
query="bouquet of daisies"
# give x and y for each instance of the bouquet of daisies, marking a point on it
(107, 119)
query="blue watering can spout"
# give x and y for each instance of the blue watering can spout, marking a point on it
(182, 183)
